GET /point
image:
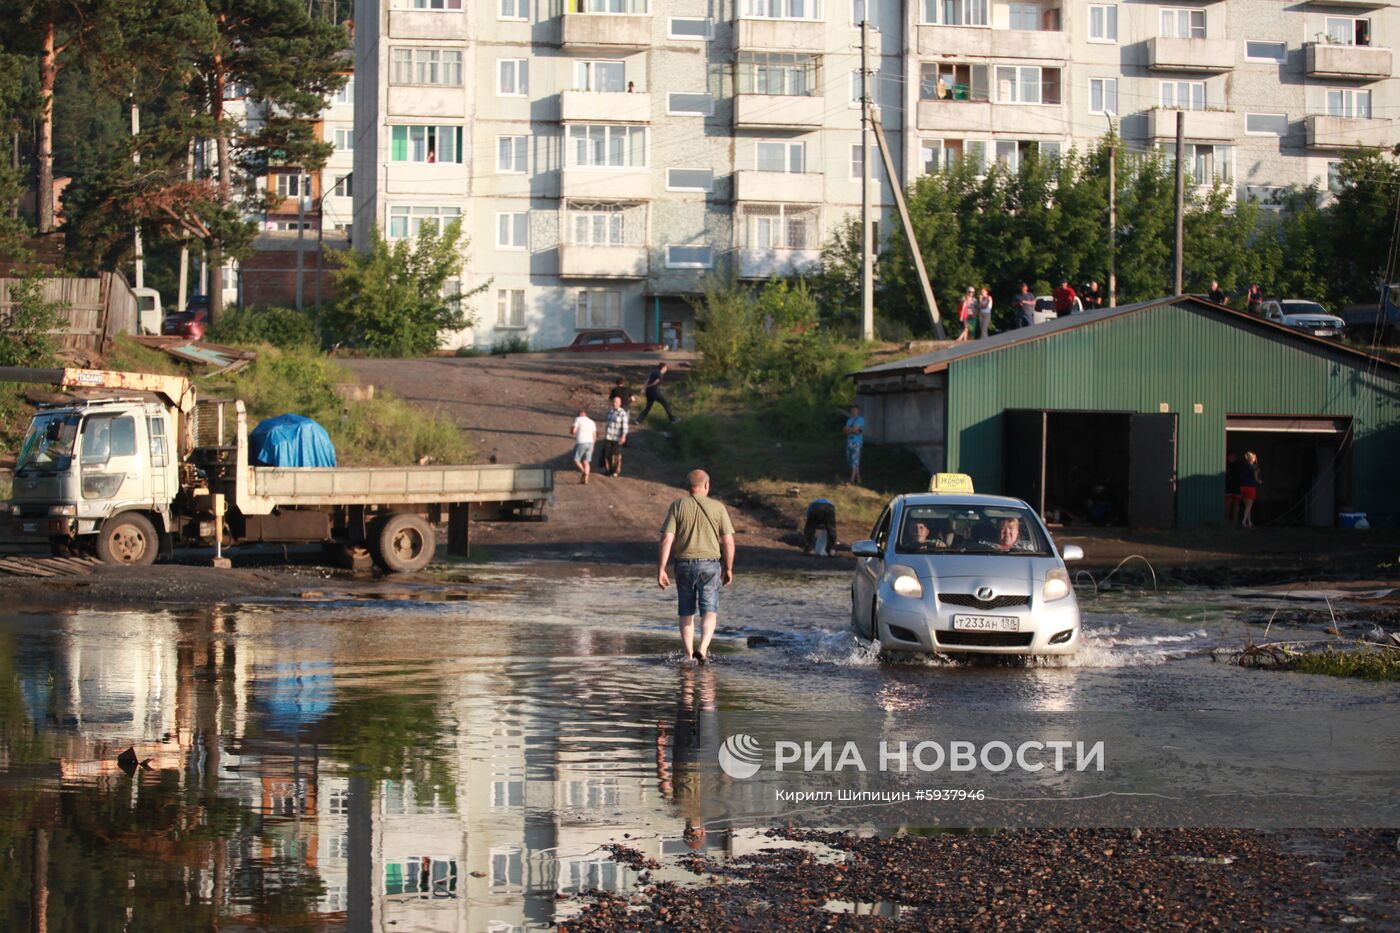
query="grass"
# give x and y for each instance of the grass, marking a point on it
(1366, 663)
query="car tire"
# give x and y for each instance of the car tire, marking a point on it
(874, 620)
(405, 543)
(128, 540)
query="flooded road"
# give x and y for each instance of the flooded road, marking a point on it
(458, 765)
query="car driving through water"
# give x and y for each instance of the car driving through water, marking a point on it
(964, 573)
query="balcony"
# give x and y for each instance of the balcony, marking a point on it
(777, 187)
(427, 24)
(1346, 61)
(1210, 55)
(1348, 132)
(614, 184)
(602, 262)
(780, 35)
(971, 118)
(979, 41)
(604, 107)
(424, 101)
(606, 31)
(766, 263)
(778, 111)
(1201, 125)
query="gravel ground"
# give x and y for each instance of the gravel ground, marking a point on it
(1026, 880)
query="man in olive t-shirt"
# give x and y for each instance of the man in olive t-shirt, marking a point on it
(698, 530)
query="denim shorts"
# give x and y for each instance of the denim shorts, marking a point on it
(583, 452)
(697, 586)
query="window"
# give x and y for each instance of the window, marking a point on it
(105, 437)
(780, 226)
(512, 230)
(1265, 51)
(1334, 177)
(1348, 30)
(512, 77)
(777, 73)
(344, 186)
(1021, 84)
(425, 143)
(689, 105)
(597, 225)
(1348, 103)
(862, 10)
(783, 9)
(427, 66)
(346, 94)
(781, 157)
(681, 28)
(953, 82)
(514, 9)
(1183, 24)
(344, 139)
(405, 221)
(1266, 124)
(955, 12)
(155, 431)
(1183, 95)
(603, 145)
(600, 76)
(690, 257)
(877, 167)
(596, 308)
(1205, 164)
(437, 4)
(1011, 153)
(1268, 197)
(510, 155)
(1103, 22)
(1025, 17)
(638, 7)
(1103, 95)
(690, 179)
(932, 155)
(290, 185)
(510, 312)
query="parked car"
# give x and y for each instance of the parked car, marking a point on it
(961, 572)
(609, 341)
(1307, 316)
(1377, 322)
(188, 324)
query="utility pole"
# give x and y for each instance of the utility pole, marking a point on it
(867, 246)
(1112, 214)
(929, 301)
(136, 160)
(320, 230)
(1178, 261)
(302, 179)
(185, 243)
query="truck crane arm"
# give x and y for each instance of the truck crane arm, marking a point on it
(176, 391)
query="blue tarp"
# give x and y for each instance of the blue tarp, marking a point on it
(291, 441)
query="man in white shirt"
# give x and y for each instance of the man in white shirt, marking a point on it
(585, 432)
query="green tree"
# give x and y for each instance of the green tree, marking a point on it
(393, 296)
(25, 322)
(1362, 226)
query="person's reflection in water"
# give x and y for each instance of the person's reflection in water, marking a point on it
(694, 735)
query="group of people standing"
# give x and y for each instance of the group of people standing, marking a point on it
(976, 306)
(618, 422)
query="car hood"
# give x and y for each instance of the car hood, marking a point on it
(966, 573)
(1313, 320)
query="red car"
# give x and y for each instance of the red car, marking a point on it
(610, 341)
(188, 324)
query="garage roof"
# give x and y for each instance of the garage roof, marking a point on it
(939, 360)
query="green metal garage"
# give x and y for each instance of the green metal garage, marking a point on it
(1128, 413)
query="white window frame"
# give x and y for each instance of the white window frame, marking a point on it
(1185, 23)
(345, 94)
(512, 230)
(783, 74)
(1282, 46)
(1108, 89)
(1348, 24)
(1200, 102)
(587, 75)
(343, 138)
(689, 264)
(687, 37)
(862, 10)
(415, 215)
(790, 149)
(420, 62)
(510, 309)
(1019, 84)
(974, 13)
(439, 6)
(1249, 132)
(513, 10)
(512, 77)
(512, 151)
(438, 134)
(1108, 23)
(585, 302)
(1219, 155)
(681, 168)
(602, 225)
(1019, 9)
(344, 186)
(624, 131)
(618, 8)
(288, 184)
(877, 167)
(804, 10)
(778, 224)
(709, 111)
(1351, 102)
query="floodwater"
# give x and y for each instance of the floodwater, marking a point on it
(456, 765)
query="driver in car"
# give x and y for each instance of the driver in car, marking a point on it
(1009, 535)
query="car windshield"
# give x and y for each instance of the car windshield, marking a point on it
(49, 444)
(970, 529)
(1303, 307)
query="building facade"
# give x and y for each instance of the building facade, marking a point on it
(607, 155)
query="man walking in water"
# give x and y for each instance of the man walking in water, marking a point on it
(698, 530)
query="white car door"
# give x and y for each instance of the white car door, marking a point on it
(868, 572)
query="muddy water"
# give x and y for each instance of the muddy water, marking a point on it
(457, 765)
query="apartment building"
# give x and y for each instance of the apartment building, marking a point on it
(607, 155)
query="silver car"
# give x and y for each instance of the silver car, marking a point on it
(964, 573)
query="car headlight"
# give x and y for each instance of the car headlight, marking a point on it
(63, 510)
(905, 583)
(1056, 585)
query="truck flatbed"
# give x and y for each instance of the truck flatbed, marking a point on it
(332, 486)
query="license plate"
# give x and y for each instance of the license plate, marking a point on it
(31, 528)
(986, 623)
(1324, 333)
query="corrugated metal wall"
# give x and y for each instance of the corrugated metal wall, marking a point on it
(1181, 356)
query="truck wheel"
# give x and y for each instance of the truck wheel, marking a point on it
(406, 543)
(128, 539)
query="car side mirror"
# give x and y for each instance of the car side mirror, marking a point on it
(866, 548)
(1071, 552)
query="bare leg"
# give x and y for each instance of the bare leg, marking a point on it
(1248, 520)
(707, 622)
(688, 634)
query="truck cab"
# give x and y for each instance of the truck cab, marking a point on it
(82, 465)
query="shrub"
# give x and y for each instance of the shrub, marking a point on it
(467, 352)
(25, 323)
(511, 343)
(281, 327)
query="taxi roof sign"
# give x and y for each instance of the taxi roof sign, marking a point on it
(950, 482)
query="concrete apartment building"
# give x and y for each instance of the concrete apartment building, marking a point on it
(607, 155)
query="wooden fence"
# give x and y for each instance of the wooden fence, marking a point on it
(96, 309)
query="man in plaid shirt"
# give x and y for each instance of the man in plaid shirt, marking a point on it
(614, 438)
